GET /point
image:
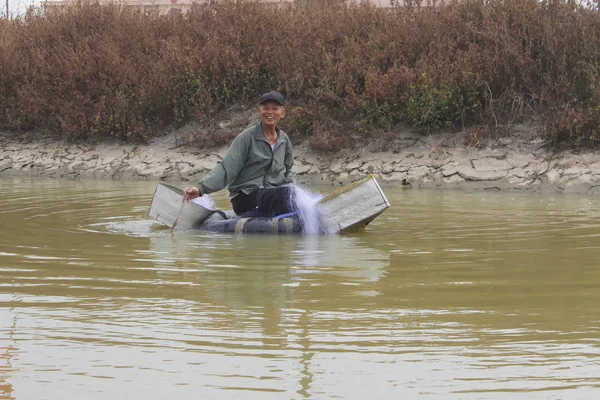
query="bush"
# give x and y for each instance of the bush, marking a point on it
(98, 71)
(440, 108)
(300, 122)
(378, 116)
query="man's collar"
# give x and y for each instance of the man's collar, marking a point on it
(259, 134)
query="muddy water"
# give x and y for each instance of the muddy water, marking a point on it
(447, 295)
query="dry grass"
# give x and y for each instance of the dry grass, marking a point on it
(95, 71)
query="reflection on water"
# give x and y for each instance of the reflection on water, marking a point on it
(447, 295)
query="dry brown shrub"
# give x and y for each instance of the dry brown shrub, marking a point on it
(94, 71)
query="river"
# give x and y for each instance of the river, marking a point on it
(446, 295)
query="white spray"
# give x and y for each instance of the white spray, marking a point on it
(309, 210)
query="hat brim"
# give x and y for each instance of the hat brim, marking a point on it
(273, 100)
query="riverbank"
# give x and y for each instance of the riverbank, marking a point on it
(517, 162)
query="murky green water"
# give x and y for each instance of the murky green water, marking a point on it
(447, 295)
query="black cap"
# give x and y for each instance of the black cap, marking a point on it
(274, 96)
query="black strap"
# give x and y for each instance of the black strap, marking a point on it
(221, 213)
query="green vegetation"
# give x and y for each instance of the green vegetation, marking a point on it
(96, 72)
(441, 108)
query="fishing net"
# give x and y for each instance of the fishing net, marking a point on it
(289, 201)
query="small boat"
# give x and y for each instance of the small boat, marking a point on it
(346, 209)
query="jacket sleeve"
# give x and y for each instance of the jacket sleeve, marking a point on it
(289, 162)
(227, 170)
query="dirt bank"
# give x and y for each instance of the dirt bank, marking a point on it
(519, 162)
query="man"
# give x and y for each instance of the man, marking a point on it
(259, 159)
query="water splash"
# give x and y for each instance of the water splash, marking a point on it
(309, 210)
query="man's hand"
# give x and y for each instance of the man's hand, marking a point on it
(190, 193)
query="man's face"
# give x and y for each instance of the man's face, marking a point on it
(271, 113)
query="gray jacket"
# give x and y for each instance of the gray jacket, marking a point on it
(250, 163)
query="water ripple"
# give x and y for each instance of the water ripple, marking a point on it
(445, 296)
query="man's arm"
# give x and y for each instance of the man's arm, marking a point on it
(289, 162)
(227, 170)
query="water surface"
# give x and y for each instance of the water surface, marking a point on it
(447, 295)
